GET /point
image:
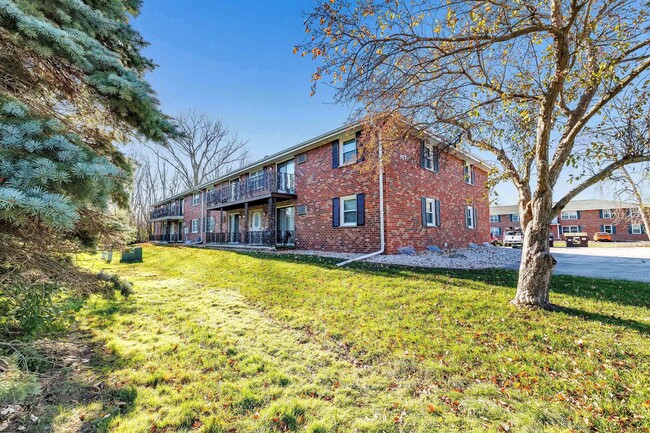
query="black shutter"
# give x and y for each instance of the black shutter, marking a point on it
(510, 217)
(424, 211)
(335, 154)
(361, 209)
(600, 213)
(360, 155)
(613, 229)
(438, 219)
(472, 174)
(629, 229)
(465, 216)
(336, 212)
(475, 217)
(602, 228)
(499, 219)
(578, 213)
(436, 161)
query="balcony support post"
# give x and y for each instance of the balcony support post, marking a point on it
(271, 218)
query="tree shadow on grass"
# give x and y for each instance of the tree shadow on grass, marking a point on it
(72, 377)
(606, 319)
(615, 291)
(636, 294)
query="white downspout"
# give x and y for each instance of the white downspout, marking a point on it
(381, 214)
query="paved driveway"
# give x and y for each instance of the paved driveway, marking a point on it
(622, 263)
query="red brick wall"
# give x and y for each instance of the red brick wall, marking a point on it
(317, 183)
(407, 183)
(590, 222)
(506, 223)
(191, 212)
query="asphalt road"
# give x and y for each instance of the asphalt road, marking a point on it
(620, 263)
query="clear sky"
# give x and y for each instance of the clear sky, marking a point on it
(233, 60)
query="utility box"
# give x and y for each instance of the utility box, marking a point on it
(132, 256)
(576, 240)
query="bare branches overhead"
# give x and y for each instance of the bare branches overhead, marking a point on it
(204, 149)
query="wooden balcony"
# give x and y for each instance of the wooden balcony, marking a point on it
(269, 184)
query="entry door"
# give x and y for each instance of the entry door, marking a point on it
(256, 221)
(285, 176)
(255, 228)
(233, 227)
(286, 226)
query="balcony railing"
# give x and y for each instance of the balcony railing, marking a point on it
(261, 237)
(167, 211)
(166, 238)
(252, 187)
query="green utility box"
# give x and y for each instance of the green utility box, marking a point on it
(133, 255)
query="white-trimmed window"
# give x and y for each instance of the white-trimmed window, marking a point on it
(349, 211)
(608, 228)
(633, 212)
(607, 213)
(470, 217)
(495, 232)
(570, 229)
(349, 152)
(195, 226)
(256, 179)
(196, 199)
(430, 159)
(468, 174)
(430, 212)
(495, 219)
(514, 217)
(636, 229)
(569, 215)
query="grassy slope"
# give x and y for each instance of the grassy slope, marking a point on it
(220, 341)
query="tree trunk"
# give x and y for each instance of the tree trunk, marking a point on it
(536, 264)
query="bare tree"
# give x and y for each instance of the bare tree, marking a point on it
(483, 69)
(153, 180)
(627, 127)
(204, 149)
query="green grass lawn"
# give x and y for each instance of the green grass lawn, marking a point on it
(215, 341)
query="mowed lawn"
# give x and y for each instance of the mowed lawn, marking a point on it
(216, 341)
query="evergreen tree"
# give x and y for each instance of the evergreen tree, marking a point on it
(71, 88)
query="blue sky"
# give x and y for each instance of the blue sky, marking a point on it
(233, 60)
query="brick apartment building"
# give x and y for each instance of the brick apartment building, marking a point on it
(322, 195)
(621, 220)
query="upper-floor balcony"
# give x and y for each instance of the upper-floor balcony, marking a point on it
(268, 184)
(166, 211)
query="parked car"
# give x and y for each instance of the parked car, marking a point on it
(513, 238)
(602, 237)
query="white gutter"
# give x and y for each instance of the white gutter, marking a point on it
(381, 214)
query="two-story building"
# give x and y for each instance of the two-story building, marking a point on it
(621, 220)
(324, 194)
